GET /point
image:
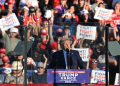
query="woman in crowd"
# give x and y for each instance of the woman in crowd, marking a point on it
(117, 9)
(62, 7)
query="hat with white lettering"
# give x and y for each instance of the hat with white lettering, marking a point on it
(59, 32)
(31, 9)
(43, 32)
(14, 30)
(84, 11)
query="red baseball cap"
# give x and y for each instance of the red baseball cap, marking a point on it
(90, 50)
(2, 50)
(43, 32)
(11, 1)
(58, 31)
(5, 59)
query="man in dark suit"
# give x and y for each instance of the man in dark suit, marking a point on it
(61, 58)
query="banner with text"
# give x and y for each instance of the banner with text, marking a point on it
(98, 75)
(31, 2)
(67, 76)
(117, 79)
(83, 53)
(88, 32)
(9, 22)
(102, 13)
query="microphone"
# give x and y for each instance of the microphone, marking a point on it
(67, 50)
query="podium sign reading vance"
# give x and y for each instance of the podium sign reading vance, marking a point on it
(67, 76)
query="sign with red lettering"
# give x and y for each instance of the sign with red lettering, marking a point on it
(88, 32)
(102, 13)
(83, 53)
(117, 79)
(9, 22)
(98, 75)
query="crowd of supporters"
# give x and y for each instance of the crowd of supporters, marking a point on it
(46, 24)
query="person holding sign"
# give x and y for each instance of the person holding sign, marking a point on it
(95, 5)
(10, 42)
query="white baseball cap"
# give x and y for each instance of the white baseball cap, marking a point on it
(16, 65)
(25, 7)
(84, 11)
(14, 30)
(48, 14)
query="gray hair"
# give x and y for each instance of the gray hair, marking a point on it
(63, 39)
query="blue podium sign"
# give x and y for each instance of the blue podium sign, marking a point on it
(68, 76)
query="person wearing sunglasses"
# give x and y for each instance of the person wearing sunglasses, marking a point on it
(93, 64)
(40, 76)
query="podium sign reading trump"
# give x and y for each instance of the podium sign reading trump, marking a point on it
(67, 76)
(98, 75)
(88, 32)
(83, 53)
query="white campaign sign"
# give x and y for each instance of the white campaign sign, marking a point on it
(33, 2)
(98, 75)
(102, 13)
(88, 32)
(83, 53)
(5, 70)
(117, 79)
(9, 22)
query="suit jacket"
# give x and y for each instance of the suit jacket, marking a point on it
(58, 61)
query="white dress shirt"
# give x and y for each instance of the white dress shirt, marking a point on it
(65, 57)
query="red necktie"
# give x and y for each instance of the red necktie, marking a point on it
(68, 61)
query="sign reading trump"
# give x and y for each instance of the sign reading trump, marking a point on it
(102, 13)
(88, 32)
(67, 76)
(83, 53)
(98, 75)
(9, 22)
